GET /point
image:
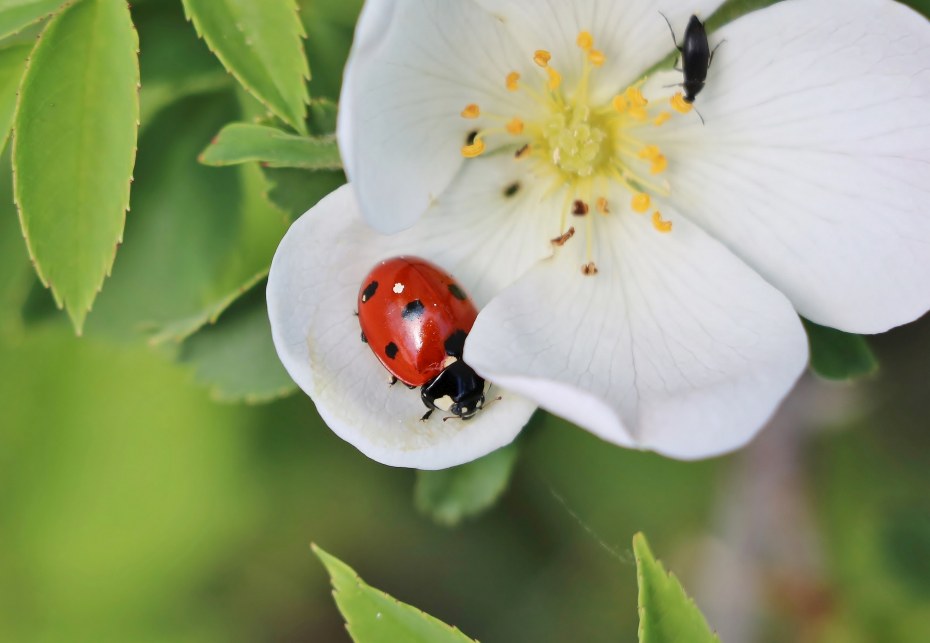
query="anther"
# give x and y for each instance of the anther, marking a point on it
(585, 40)
(662, 118)
(649, 152)
(635, 97)
(471, 111)
(513, 81)
(555, 78)
(579, 208)
(602, 205)
(620, 103)
(659, 165)
(589, 269)
(641, 202)
(596, 57)
(661, 224)
(679, 104)
(515, 126)
(522, 152)
(473, 150)
(562, 238)
(542, 57)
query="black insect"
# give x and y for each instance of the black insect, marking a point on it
(696, 57)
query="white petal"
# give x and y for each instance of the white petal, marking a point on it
(632, 34)
(414, 66)
(312, 292)
(814, 165)
(675, 346)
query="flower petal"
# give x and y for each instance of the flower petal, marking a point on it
(414, 66)
(675, 346)
(312, 290)
(814, 165)
(632, 34)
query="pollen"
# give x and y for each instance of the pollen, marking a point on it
(515, 126)
(659, 165)
(555, 79)
(620, 104)
(542, 57)
(589, 269)
(473, 150)
(649, 152)
(596, 57)
(471, 111)
(641, 202)
(661, 224)
(679, 104)
(585, 40)
(602, 205)
(662, 119)
(635, 96)
(513, 81)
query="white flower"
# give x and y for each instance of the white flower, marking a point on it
(668, 320)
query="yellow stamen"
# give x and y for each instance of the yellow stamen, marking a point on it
(679, 104)
(471, 111)
(542, 57)
(661, 224)
(649, 152)
(555, 78)
(662, 118)
(513, 81)
(602, 206)
(596, 57)
(641, 202)
(515, 126)
(585, 40)
(473, 150)
(659, 165)
(620, 104)
(635, 97)
(639, 113)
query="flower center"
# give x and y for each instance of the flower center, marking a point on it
(584, 150)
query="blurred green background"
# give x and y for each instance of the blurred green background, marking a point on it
(142, 500)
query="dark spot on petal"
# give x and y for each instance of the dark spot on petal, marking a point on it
(364, 339)
(522, 151)
(391, 350)
(413, 310)
(470, 139)
(369, 291)
(457, 292)
(579, 208)
(455, 344)
(512, 189)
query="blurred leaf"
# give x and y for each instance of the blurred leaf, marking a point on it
(260, 43)
(836, 355)
(295, 191)
(374, 617)
(16, 275)
(733, 9)
(330, 26)
(198, 234)
(12, 65)
(174, 63)
(666, 613)
(17, 14)
(74, 148)
(236, 357)
(244, 142)
(322, 118)
(450, 495)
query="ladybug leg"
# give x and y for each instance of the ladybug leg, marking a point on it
(409, 386)
(393, 380)
(426, 415)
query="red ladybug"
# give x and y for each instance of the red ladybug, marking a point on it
(415, 319)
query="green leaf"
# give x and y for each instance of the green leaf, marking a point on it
(836, 355)
(295, 191)
(666, 614)
(245, 142)
(75, 146)
(375, 617)
(17, 14)
(450, 495)
(733, 9)
(236, 357)
(261, 44)
(12, 64)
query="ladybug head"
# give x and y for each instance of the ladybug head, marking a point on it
(457, 390)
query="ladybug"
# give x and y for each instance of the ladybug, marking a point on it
(415, 318)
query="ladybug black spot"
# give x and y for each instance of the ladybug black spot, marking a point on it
(364, 339)
(369, 291)
(391, 350)
(413, 310)
(455, 343)
(457, 292)
(470, 138)
(512, 189)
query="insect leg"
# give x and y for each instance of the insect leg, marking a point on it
(426, 415)
(711, 59)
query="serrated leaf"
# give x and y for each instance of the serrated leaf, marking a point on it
(17, 14)
(235, 357)
(375, 617)
(666, 614)
(245, 142)
(836, 355)
(12, 65)
(450, 495)
(74, 148)
(261, 44)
